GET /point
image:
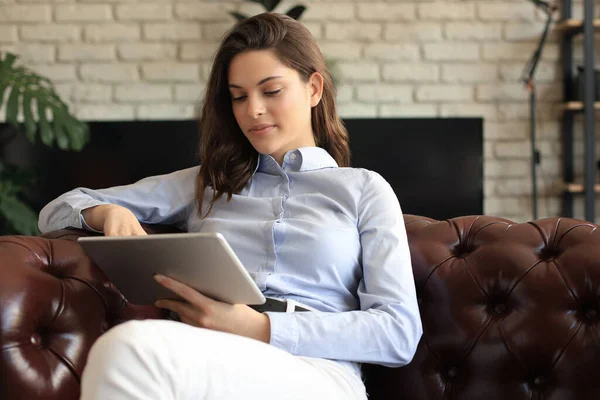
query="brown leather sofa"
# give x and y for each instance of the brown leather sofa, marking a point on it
(510, 311)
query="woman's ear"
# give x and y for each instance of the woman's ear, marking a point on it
(315, 84)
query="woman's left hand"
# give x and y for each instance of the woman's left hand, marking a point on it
(204, 312)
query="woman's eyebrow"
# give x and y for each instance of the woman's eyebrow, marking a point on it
(231, 85)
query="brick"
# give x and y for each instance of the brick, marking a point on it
(205, 12)
(315, 29)
(143, 92)
(413, 32)
(144, 12)
(358, 72)
(459, 73)
(507, 51)
(520, 111)
(446, 11)
(512, 150)
(473, 31)
(411, 72)
(451, 51)
(501, 92)
(545, 72)
(32, 53)
(56, 73)
(25, 13)
(488, 112)
(8, 33)
(506, 206)
(91, 93)
(105, 112)
(505, 11)
(506, 130)
(147, 51)
(165, 111)
(189, 93)
(527, 32)
(444, 93)
(345, 93)
(86, 52)
(357, 110)
(171, 31)
(109, 72)
(353, 31)
(380, 93)
(198, 51)
(82, 12)
(408, 110)
(506, 168)
(340, 51)
(173, 72)
(50, 33)
(112, 32)
(329, 12)
(392, 52)
(386, 12)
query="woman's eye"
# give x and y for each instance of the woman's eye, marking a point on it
(239, 98)
(273, 93)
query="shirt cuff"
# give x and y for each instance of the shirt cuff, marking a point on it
(84, 224)
(284, 331)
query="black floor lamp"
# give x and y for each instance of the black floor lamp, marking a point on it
(528, 81)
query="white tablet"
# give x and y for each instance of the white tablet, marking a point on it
(204, 261)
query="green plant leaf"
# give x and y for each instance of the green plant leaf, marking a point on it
(30, 125)
(7, 62)
(60, 131)
(78, 133)
(31, 87)
(269, 5)
(296, 12)
(20, 216)
(238, 16)
(12, 107)
(46, 133)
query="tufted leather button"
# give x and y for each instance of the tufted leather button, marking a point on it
(548, 253)
(500, 308)
(539, 381)
(36, 339)
(462, 250)
(452, 372)
(591, 314)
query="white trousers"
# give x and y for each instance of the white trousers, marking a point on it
(160, 359)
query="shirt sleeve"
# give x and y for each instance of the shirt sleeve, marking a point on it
(160, 199)
(387, 328)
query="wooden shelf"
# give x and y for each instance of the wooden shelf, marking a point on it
(578, 106)
(578, 187)
(574, 25)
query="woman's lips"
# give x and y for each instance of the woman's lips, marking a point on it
(262, 131)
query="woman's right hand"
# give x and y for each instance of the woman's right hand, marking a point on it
(114, 220)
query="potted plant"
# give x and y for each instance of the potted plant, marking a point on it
(26, 93)
(269, 5)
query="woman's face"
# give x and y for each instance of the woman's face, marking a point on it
(271, 103)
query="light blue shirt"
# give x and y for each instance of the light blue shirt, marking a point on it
(328, 237)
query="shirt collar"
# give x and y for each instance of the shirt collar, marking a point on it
(302, 159)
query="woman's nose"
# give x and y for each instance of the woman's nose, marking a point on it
(255, 107)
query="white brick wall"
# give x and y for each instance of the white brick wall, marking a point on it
(124, 59)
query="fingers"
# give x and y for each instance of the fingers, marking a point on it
(183, 290)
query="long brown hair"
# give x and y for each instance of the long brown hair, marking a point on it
(227, 158)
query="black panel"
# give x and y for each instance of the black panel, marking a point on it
(434, 165)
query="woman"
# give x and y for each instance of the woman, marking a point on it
(315, 235)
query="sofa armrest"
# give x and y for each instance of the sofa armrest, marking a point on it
(54, 303)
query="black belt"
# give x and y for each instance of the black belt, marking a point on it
(276, 305)
(270, 305)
